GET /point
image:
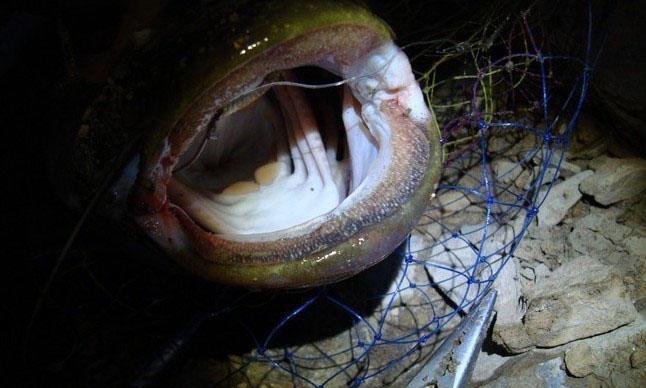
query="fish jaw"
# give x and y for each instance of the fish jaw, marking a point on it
(357, 234)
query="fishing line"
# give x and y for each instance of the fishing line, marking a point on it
(265, 86)
(448, 264)
(458, 257)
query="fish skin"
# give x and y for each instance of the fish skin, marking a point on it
(149, 104)
(155, 81)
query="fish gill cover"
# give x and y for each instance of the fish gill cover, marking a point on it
(507, 98)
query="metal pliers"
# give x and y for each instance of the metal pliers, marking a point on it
(452, 363)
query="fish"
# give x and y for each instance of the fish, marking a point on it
(265, 145)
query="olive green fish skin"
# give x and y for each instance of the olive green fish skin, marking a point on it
(187, 49)
(171, 87)
(343, 255)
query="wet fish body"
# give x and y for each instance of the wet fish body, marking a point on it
(184, 106)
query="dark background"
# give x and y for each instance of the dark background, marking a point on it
(107, 311)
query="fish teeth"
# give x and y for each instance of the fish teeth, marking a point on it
(386, 74)
(241, 188)
(269, 173)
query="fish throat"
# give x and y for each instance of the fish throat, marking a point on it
(277, 161)
(280, 162)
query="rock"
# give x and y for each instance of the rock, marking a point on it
(587, 132)
(532, 372)
(529, 249)
(487, 365)
(636, 245)
(506, 171)
(560, 199)
(612, 350)
(141, 37)
(582, 298)
(635, 214)
(451, 201)
(590, 242)
(599, 235)
(556, 245)
(508, 330)
(511, 143)
(550, 373)
(580, 360)
(528, 274)
(531, 274)
(448, 258)
(604, 221)
(615, 179)
(638, 358)
(498, 237)
(472, 178)
(568, 169)
(512, 337)
(589, 140)
(524, 177)
(549, 174)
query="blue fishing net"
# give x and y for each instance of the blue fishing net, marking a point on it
(506, 106)
(506, 120)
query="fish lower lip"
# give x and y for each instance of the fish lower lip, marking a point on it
(358, 224)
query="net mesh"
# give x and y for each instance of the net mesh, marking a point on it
(506, 108)
(505, 122)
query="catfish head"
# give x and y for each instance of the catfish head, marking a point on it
(241, 170)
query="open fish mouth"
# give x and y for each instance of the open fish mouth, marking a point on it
(278, 164)
(281, 163)
(262, 183)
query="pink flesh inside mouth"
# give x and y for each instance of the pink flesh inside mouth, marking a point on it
(278, 167)
(272, 173)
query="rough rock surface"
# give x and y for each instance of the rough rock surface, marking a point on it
(509, 331)
(488, 366)
(571, 307)
(534, 371)
(636, 245)
(581, 283)
(451, 254)
(638, 358)
(582, 298)
(615, 179)
(580, 360)
(569, 303)
(560, 199)
(614, 353)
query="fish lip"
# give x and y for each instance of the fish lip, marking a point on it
(344, 257)
(284, 264)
